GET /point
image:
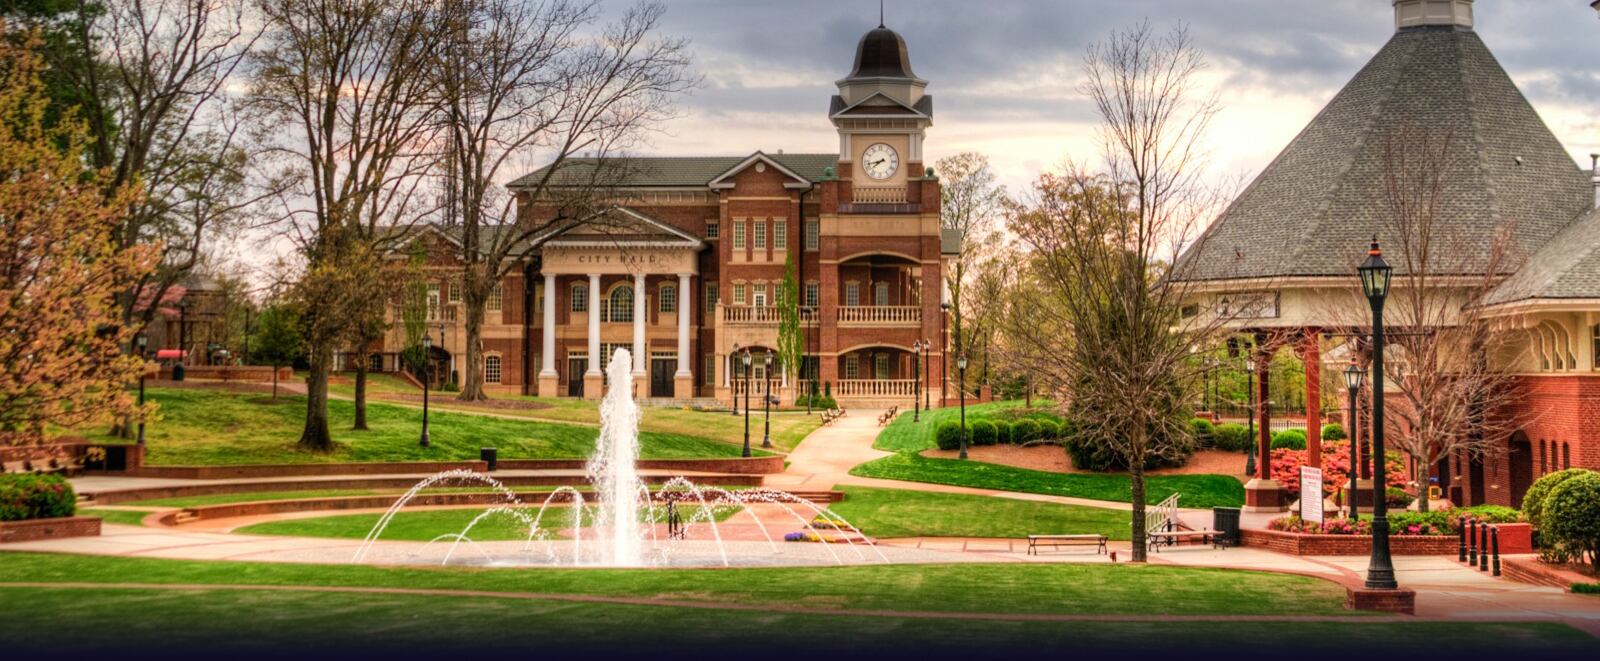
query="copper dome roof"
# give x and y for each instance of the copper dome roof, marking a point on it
(882, 54)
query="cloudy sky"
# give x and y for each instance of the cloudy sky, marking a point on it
(1004, 72)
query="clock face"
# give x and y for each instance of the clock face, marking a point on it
(880, 161)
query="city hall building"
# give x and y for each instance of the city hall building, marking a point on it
(684, 268)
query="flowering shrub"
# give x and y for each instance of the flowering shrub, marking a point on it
(1335, 468)
(801, 536)
(30, 496)
(1445, 522)
(1296, 524)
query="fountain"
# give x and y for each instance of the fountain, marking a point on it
(620, 529)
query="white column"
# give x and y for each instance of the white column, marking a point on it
(638, 323)
(727, 371)
(549, 358)
(684, 308)
(595, 301)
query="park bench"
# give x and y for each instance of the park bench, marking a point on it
(832, 414)
(1036, 541)
(1175, 537)
(888, 415)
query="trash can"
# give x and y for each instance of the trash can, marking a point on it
(177, 371)
(1225, 520)
(488, 455)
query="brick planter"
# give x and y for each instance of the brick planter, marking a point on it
(1299, 544)
(1533, 571)
(1389, 601)
(36, 529)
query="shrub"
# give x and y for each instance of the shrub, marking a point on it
(1397, 498)
(1089, 456)
(32, 496)
(1004, 432)
(984, 432)
(948, 436)
(1025, 430)
(1049, 430)
(1534, 500)
(816, 402)
(1572, 517)
(1289, 439)
(1203, 432)
(1333, 431)
(1335, 468)
(1230, 436)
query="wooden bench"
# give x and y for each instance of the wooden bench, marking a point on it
(1174, 537)
(888, 415)
(1036, 541)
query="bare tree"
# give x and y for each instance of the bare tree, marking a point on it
(342, 96)
(971, 207)
(519, 78)
(1109, 333)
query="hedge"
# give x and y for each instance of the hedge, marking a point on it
(1290, 439)
(1024, 430)
(32, 496)
(1572, 517)
(985, 432)
(1004, 432)
(1204, 432)
(1230, 436)
(948, 436)
(1533, 501)
(1333, 431)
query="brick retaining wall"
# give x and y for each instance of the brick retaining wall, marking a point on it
(1300, 544)
(379, 482)
(35, 529)
(734, 465)
(1533, 571)
(292, 470)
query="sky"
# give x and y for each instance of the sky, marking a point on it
(1004, 73)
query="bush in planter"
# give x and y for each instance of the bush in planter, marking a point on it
(31, 496)
(1230, 436)
(1203, 432)
(1534, 500)
(948, 436)
(1572, 517)
(1289, 439)
(984, 432)
(1025, 430)
(1333, 431)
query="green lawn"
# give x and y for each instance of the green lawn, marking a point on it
(1121, 589)
(902, 513)
(212, 623)
(1199, 491)
(212, 427)
(903, 435)
(123, 517)
(424, 525)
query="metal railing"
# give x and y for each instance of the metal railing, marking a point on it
(1162, 517)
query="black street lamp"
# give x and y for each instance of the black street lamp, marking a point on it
(141, 340)
(927, 376)
(1375, 276)
(747, 359)
(916, 385)
(733, 390)
(961, 364)
(427, 349)
(1250, 392)
(944, 355)
(1353, 376)
(766, 398)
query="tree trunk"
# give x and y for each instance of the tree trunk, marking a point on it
(1420, 471)
(361, 394)
(472, 384)
(274, 381)
(1136, 491)
(316, 436)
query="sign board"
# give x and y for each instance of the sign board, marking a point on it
(1311, 494)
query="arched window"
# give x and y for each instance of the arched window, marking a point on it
(669, 298)
(620, 305)
(1566, 455)
(491, 369)
(1544, 457)
(580, 297)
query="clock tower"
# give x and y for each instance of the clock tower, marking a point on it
(881, 112)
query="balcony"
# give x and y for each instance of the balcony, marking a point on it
(875, 388)
(760, 315)
(881, 315)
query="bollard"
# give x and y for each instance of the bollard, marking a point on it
(1472, 538)
(1494, 538)
(1461, 539)
(1483, 555)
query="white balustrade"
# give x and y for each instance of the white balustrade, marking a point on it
(880, 314)
(878, 195)
(875, 388)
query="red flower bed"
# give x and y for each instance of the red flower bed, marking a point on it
(1335, 468)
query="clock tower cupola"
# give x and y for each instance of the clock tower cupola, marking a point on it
(882, 112)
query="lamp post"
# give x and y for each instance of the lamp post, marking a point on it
(927, 375)
(916, 385)
(1353, 376)
(427, 349)
(944, 355)
(766, 399)
(961, 364)
(1375, 276)
(747, 359)
(1250, 392)
(733, 392)
(141, 341)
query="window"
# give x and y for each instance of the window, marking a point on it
(880, 293)
(713, 229)
(738, 293)
(852, 366)
(852, 293)
(580, 298)
(433, 300)
(738, 234)
(813, 295)
(620, 306)
(711, 297)
(760, 295)
(880, 366)
(669, 298)
(455, 292)
(1566, 455)
(491, 369)
(780, 235)
(494, 299)
(813, 235)
(1544, 457)
(377, 362)
(761, 235)
(709, 370)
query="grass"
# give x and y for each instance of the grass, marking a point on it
(225, 498)
(903, 435)
(1121, 589)
(902, 513)
(425, 525)
(1199, 491)
(121, 517)
(213, 427)
(209, 623)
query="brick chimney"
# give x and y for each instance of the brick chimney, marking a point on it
(1423, 13)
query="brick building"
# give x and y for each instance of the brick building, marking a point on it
(684, 262)
(1290, 243)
